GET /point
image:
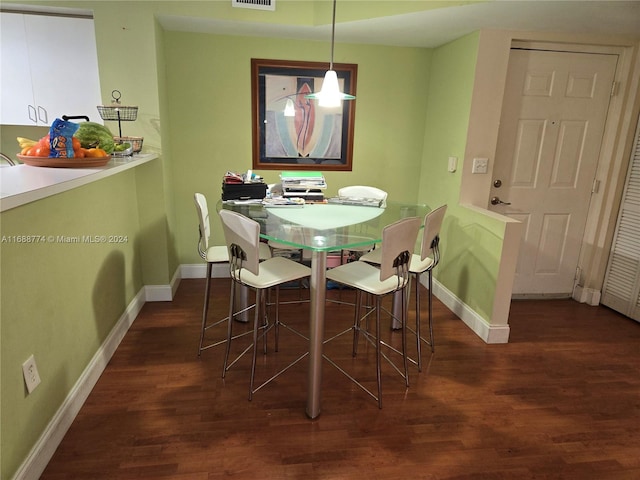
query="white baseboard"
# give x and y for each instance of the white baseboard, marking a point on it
(45, 447)
(487, 332)
(163, 293)
(590, 296)
(199, 270)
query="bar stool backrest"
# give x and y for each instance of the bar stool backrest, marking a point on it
(245, 233)
(364, 191)
(203, 221)
(431, 233)
(397, 238)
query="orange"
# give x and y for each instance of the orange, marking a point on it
(95, 153)
(42, 151)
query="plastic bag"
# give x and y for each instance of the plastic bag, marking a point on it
(61, 138)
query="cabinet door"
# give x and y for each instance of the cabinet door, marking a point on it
(17, 106)
(49, 69)
(64, 66)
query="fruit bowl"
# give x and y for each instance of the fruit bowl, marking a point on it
(64, 162)
(135, 144)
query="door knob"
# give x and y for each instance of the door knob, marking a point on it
(497, 201)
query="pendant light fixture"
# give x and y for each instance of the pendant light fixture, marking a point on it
(330, 94)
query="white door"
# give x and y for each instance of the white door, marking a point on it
(549, 140)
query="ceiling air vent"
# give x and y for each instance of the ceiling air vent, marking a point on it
(255, 4)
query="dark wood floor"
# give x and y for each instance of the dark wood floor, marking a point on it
(561, 400)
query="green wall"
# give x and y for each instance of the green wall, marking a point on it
(127, 43)
(209, 108)
(471, 242)
(61, 300)
(8, 133)
(447, 117)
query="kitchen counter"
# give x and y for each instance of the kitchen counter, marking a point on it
(22, 184)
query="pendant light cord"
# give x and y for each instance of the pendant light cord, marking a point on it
(333, 33)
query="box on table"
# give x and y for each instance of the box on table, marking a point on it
(243, 191)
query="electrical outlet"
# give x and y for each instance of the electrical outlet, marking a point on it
(31, 375)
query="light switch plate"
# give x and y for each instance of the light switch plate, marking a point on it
(453, 164)
(480, 165)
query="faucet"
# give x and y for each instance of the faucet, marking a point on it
(7, 159)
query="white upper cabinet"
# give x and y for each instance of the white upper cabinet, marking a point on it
(49, 68)
(15, 72)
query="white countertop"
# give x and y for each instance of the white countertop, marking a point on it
(22, 184)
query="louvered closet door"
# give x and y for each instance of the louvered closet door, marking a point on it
(621, 290)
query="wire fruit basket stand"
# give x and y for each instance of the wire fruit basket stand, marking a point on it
(121, 113)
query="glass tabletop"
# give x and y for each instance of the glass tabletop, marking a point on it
(325, 227)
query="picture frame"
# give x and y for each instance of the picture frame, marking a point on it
(314, 138)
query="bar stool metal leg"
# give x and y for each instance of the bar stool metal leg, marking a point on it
(205, 309)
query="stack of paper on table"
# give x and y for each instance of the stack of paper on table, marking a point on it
(307, 185)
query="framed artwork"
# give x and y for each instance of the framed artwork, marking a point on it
(305, 136)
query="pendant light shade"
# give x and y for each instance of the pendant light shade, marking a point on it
(330, 94)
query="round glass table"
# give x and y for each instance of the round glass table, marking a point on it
(322, 228)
